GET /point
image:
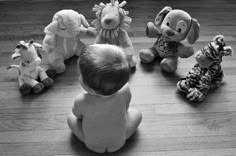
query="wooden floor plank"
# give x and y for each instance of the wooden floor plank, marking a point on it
(171, 125)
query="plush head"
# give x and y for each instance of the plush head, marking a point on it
(103, 68)
(212, 54)
(111, 16)
(66, 23)
(27, 53)
(176, 25)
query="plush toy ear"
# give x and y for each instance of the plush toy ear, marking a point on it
(51, 28)
(194, 30)
(37, 45)
(219, 38)
(228, 51)
(161, 15)
(84, 21)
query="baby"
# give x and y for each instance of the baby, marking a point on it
(101, 117)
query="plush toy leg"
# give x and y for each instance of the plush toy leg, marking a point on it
(47, 81)
(24, 88)
(169, 64)
(58, 63)
(147, 55)
(51, 73)
(182, 86)
(37, 87)
(80, 47)
(195, 95)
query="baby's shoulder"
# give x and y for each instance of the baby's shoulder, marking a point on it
(81, 99)
(125, 90)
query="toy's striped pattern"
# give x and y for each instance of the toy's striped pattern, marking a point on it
(200, 80)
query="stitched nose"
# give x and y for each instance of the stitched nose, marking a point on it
(170, 33)
(108, 21)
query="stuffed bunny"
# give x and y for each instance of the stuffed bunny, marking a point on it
(170, 27)
(207, 73)
(62, 39)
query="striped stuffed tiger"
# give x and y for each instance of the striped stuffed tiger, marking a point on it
(207, 73)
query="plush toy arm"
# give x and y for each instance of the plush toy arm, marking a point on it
(77, 108)
(90, 31)
(185, 51)
(151, 30)
(125, 42)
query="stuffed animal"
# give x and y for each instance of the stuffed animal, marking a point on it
(170, 27)
(112, 24)
(62, 39)
(207, 73)
(31, 76)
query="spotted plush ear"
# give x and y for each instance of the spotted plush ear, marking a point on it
(51, 28)
(161, 15)
(228, 51)
(194, 30)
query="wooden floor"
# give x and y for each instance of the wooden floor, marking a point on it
(36, 124)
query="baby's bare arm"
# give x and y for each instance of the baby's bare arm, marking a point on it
(128, 95)
(77, 108)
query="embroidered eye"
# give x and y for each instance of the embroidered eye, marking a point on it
(26, 61)
(181, 27)
(168, 24)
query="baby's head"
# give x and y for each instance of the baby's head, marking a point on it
(103, 68)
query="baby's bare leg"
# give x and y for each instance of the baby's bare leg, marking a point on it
(75, 125)
(134, 118)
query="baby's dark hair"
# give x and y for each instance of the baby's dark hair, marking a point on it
(104, 68)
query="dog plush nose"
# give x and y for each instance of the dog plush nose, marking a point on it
(170, 33)
(108, 21)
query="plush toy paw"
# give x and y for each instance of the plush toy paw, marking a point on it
(146, 56)
(25, 89)
(182, 86)
(168, 65)
(195, 95)
(38, 88)
(60, 68)
(48, 82)
(91, 32)
(151, 30)
(132, 61)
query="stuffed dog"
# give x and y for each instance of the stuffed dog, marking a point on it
(170, 27)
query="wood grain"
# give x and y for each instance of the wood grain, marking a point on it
(36, 124)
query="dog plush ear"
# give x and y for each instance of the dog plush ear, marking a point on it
(228, 51)
(51, 28)
(194, 30)
(161, 15)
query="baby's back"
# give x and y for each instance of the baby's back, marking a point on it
(104, 122)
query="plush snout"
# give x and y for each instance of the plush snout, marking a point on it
(110, 18)
(202, 60)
